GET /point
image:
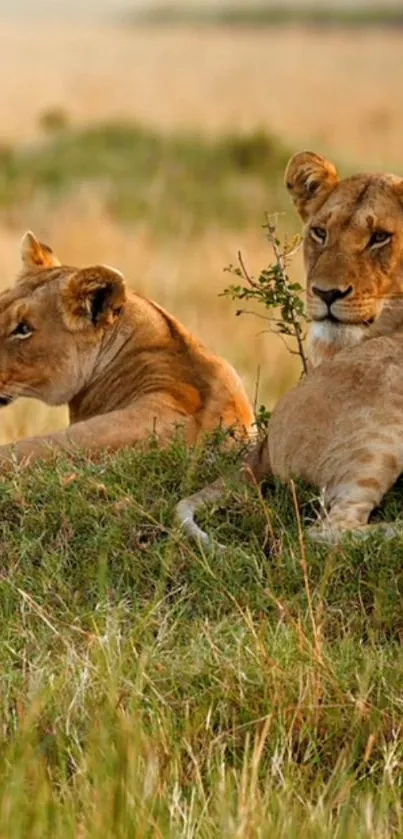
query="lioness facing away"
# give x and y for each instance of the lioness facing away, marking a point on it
(341, 428)
(126, 368)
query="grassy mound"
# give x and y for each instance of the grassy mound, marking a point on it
(150, 690)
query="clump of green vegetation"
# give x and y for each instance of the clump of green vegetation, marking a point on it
(144, 175)
(260, 14)
(150, 690)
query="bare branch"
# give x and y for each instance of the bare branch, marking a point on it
(245, 272)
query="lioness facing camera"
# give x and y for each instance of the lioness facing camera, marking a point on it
(126, 368)
(353, 252)
(341, 428)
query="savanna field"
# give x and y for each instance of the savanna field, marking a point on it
(149, 689)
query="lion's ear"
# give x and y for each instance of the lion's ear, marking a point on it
(35, 254)
(93, 296)
(309, 179)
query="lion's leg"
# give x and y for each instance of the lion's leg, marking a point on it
(352, 501)
(154, 415)
(350, 519)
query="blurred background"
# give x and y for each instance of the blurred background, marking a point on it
(153, 137)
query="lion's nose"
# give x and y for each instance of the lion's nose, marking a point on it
(330, 295)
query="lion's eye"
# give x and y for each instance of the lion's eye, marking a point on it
(318, 234)
(379, 237)
(22, 330)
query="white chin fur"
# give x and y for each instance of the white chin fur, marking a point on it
(327, 338)
(340, 334)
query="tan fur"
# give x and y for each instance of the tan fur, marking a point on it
(341, 428)
(341, 431)
(126, 368)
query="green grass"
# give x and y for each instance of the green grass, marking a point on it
(150, 690)
(139, 174)
(259, 14)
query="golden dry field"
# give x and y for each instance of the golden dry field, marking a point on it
(338, 92)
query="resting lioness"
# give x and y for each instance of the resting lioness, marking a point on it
(341, 428)
(126, 368)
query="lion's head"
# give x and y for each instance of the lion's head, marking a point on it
(53, 323)
(353, 252)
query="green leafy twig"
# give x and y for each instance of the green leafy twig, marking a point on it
(274, 289)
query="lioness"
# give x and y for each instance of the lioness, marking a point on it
(341, 428)
(126, 368)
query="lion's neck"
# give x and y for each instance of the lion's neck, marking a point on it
(327, 338)
(133, 360)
